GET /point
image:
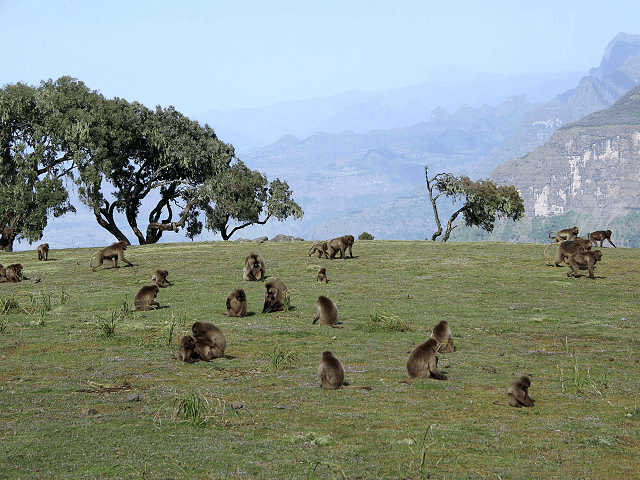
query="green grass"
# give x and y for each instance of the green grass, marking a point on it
(509, 313)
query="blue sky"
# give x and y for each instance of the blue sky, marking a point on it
(201, 55)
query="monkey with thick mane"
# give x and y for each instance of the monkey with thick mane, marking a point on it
(601, 235)
(585, 258)
(112, 253)
(146, 298)
(12, 274)
(423, 363)
(236, 303)
(322, 275)
(254, 268)
(327, 312)
(159, 277)
(442, 333)
(320, 248)
(43, 251)
(274, 295)
(331, 373)
(209, 341)
(341, 244)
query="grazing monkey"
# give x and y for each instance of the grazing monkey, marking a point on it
(423, 363)
(321, 248)
(112, 253)
(327, 312)
(442, 333)
(274, 294)
(584, 258)
(146, 298)
(322, 275)
(187, 351)
(601, 235)
(14, 274)
(562, 235)
(210, 342)
(254, 269)
(43, 251)
(341, 244)
(565, 249)
(518, 393)
(160, 278)
(236, 303)
(331, 373)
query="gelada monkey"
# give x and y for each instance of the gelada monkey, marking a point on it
(187, 351)
(423, 363)
(327, 312)
(322, 275)
(43, 251)
(112, 253)
(210, 342)
(159, 277)
(236, 303)
(254, 268)
(331, 373)
(442, 333)
(146, 298)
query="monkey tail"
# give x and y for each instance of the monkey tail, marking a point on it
(554, 234)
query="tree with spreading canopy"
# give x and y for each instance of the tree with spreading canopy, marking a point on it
(484, 201)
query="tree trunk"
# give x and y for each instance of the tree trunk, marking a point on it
(447, 233)
(109, 224)
(433, 203)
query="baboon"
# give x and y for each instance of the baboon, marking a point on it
(327, 312)
(160, 278)
(601, 235)
(423, 363)
(43, 251)
(236, 303)
(3, 274)
(274, 295)
(187, 351)
(210, 342)
(14, 274)
(562, 235)
(570, 247)
(585, 258)
(253, 268)
(341, 244)
(146, 298)
(320, 248)
(442, 333)
(113, 253)
(331, 373)
(518, 394)
(322, 275)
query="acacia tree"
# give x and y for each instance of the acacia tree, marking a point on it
(484, 201)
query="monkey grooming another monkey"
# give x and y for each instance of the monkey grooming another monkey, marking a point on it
(187, 350)
(518, 393)
(321, 248)
(160, 278)
(423, 363)
(146, 298)
(236, 303)
(331, 373)
(341, 244)
(254, 269)
(43, 251)
(3, 274)
(322, 275)
(601, 235)
(210, 342)
(274, 296)
(327, 312)
(584, 258)
(14, 274)
(442, 333)
(113, 253)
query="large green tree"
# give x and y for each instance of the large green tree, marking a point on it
(484, 201)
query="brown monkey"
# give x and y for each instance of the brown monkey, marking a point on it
(14, 273)
(160, 278)
(274, 294)
(236, 303)
(601, 235)
(254, 269)
(442, 333)
(187, 350)
(562, 235)
(423, 363)
(327, 312)
(210, 342)
(146, 298)
(341, 244)
(570, 247)
(585, 258)
(322, 275)
(321, 248)
(331, 373)
(43, 251)
(113, 253)
(518, 393)
(3, 274)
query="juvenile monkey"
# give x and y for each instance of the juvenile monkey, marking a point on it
(423, 363)
(341, 244)
(274, 294)
(254, 268)
(112, 253)
(14, 274)
(320, 248)
(601, 235)
(327, 312)
(584, 258)
(565, 249)
(322, 275)
(236, 303)
(442, 333)
(210, 342)
(146, 298)
(43, 251)
(160, 278)
(518, 393)
(187, 350)
(331, 373)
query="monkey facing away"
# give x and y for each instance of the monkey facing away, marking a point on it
(210, 342)
(569, 247)
(586, 258)
(146, 298)
(423, 363)
(322, 275)
(13, 274)
(518, 393)
(187, 351)
(341, 244)
(331, 373)
(113, 253)
(254, 268)
(274, 295)
(236, 303)
(601, 235)
(159, 277)
(43, 251)
(562, 235)
(327, 312)
(442, 333)
(320, 248)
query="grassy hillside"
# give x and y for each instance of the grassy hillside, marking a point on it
(66, 386)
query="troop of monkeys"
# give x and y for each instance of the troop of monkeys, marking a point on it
(576, 251)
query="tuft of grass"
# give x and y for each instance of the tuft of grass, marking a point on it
(286, 301)
(191, 408)
(64, 296)
(171, 328)
(108, 325)
(8, 305)
(384, 322)
(282, 358)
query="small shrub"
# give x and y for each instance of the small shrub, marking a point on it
(8, 305)
(378, 322)
(108, 325)
(191, 408)
(365, 236)
(280, 358)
